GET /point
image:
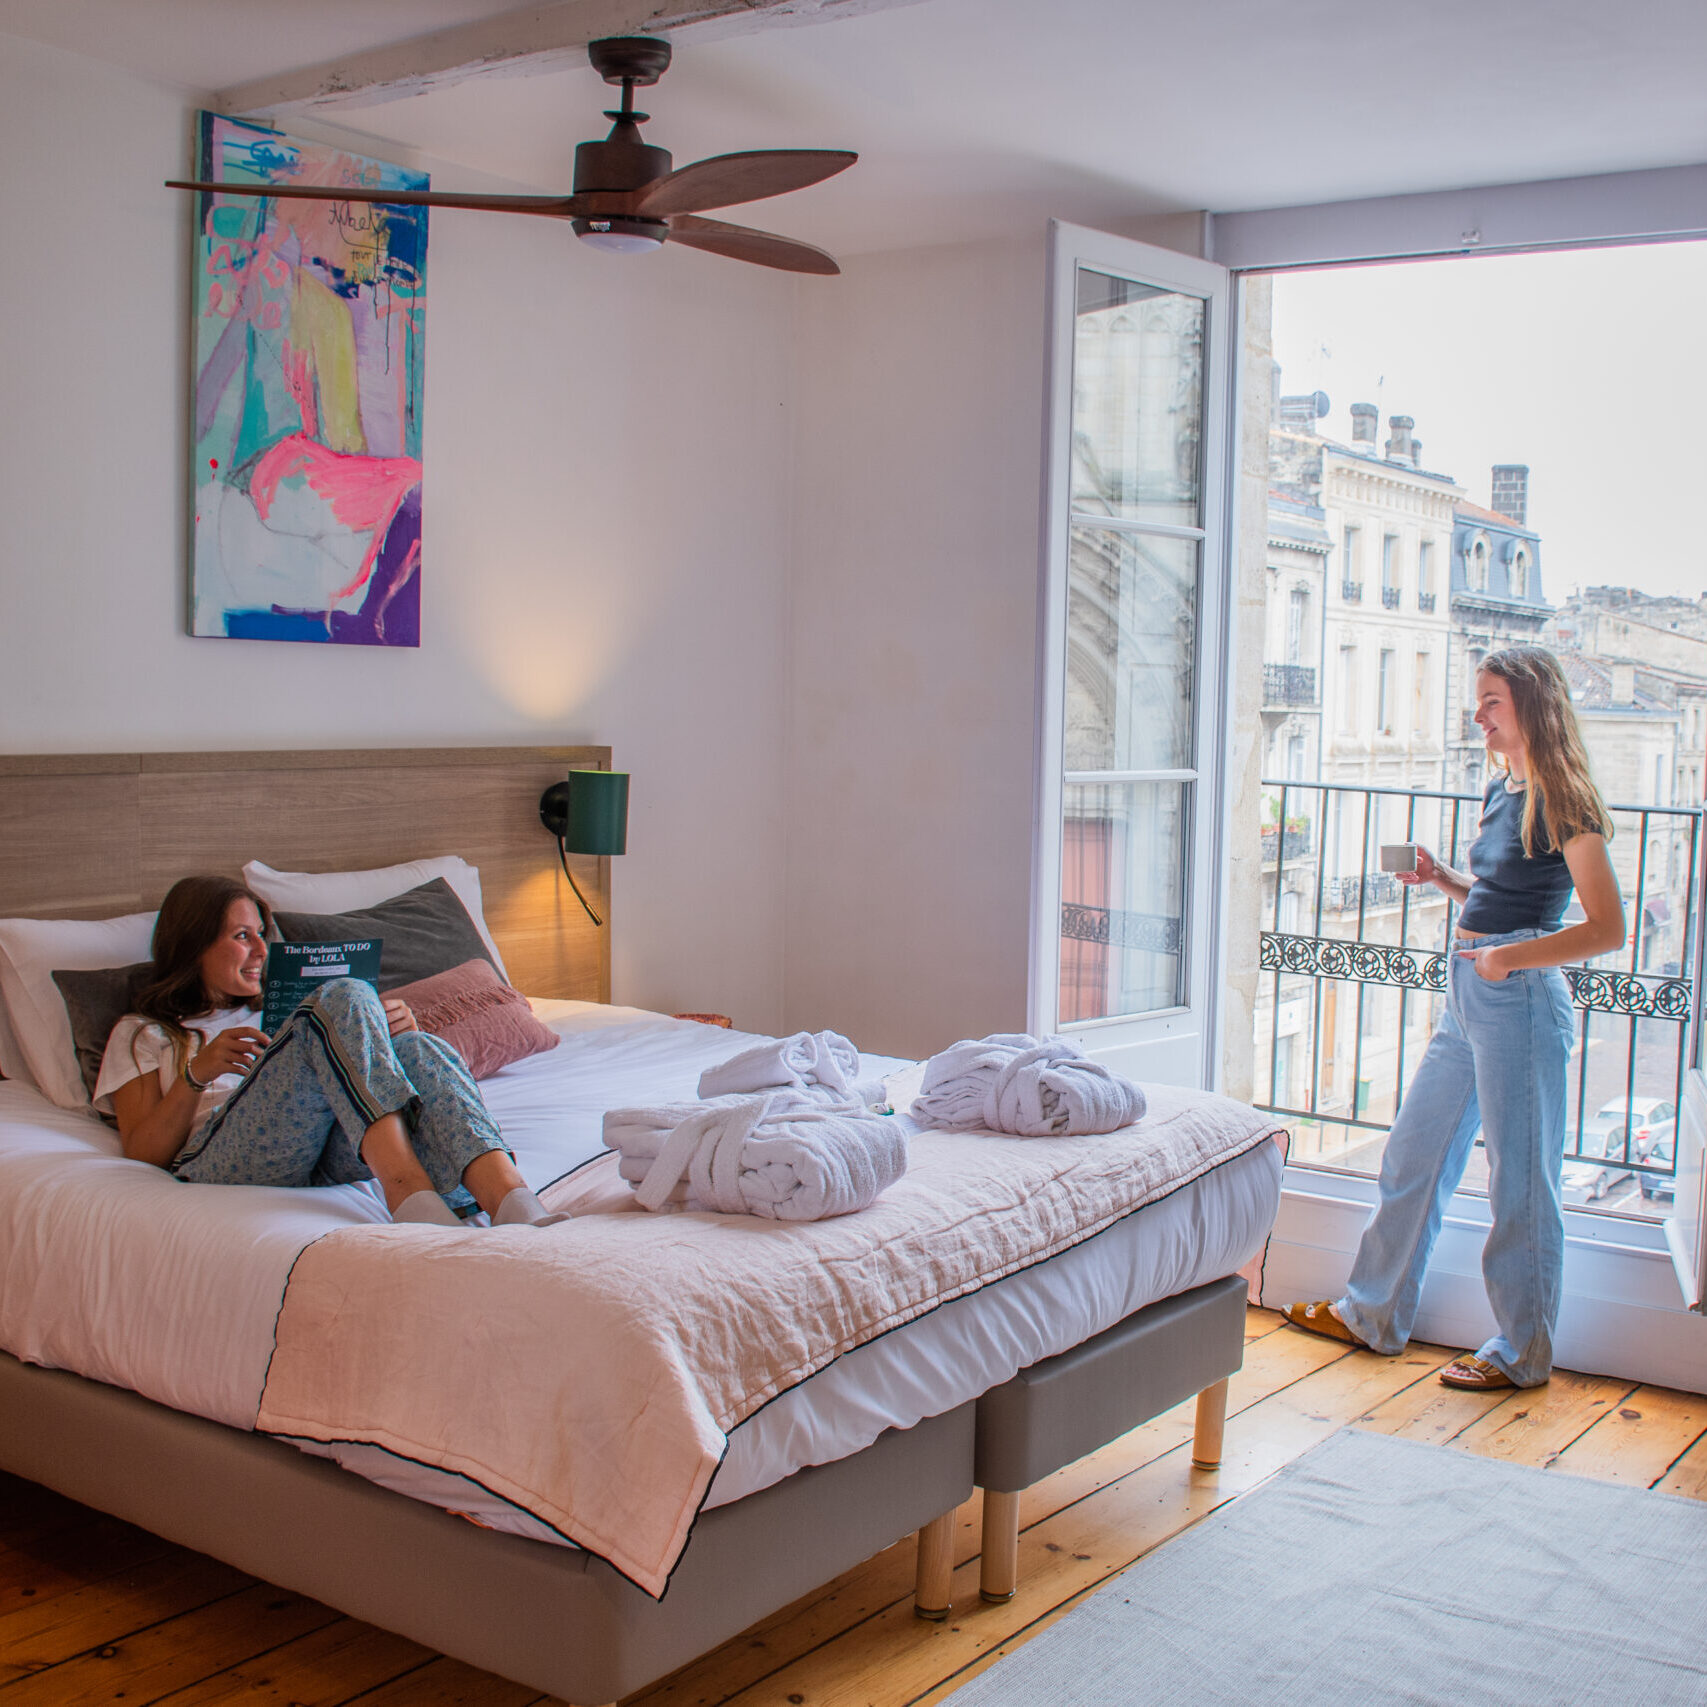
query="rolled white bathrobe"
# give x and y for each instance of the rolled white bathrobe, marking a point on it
(807, 1058)
(1033, 1087)
(781, 1155)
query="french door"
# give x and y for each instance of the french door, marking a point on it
(1128, 862)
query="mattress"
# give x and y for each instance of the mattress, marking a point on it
(114, 1270)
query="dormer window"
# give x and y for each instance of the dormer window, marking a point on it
(1520, 574)
(1476, 565)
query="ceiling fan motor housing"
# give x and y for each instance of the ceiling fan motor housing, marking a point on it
(621, 162)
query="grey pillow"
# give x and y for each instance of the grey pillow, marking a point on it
(96, 1002)
(421, 932)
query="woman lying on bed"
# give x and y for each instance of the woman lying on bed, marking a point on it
(348, 1089)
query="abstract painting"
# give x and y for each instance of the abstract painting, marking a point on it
(310, 349)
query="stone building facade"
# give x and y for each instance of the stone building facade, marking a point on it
(1496, 601)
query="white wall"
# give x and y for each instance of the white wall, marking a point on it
(606, 521)
(912, 640)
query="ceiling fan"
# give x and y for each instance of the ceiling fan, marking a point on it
(626, 197)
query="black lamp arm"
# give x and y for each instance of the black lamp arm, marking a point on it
(563, 860)
(594, 830)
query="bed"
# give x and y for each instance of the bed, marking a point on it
(999, 1386)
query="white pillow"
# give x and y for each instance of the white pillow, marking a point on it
(346, 891)
(12, 1063)
(31, 951)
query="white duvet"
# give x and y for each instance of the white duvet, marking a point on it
(117, 1271)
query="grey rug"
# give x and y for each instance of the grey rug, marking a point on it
(1375, 1570)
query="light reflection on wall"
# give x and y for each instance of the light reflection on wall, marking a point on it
(544, 638)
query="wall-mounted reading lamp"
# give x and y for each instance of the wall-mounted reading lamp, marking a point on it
(588, 814)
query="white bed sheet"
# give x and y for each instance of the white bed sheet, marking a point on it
(114, 1270)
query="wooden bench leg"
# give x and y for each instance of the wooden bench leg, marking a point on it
(1211, 1425)
(998, 1573)
(932, 1586)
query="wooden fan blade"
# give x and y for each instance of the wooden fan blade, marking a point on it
(763, 248)
(556, 207)
(726, 179)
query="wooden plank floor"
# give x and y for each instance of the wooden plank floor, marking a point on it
(94, 1612)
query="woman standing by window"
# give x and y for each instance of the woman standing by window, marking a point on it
(1497, 1059)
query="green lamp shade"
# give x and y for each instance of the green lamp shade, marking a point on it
(596, 821)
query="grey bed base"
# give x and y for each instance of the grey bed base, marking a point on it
(553, 1618)
(1058, 1410)
(561, 1621)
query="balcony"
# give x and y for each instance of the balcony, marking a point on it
(1289, 684)
(1352, 970)
(1425, 603)
(1348, 894)
(1390, 597)
(1297, 841)
(1351, 592)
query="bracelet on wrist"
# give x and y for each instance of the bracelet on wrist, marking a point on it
(193, 1082)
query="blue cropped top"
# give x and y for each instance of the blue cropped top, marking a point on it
(1512, 893)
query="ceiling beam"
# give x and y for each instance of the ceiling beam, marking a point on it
(529, 39)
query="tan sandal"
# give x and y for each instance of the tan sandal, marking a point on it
(1318, 1318)
(1474, 1374)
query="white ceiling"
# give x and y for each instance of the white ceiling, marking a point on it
(975, 117)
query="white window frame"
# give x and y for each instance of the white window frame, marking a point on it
(1180, 1044)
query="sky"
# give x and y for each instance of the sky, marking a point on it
(1590, 366)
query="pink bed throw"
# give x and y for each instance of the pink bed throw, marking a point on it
(590, 1372)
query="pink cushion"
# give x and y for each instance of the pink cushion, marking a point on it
(479, 1015)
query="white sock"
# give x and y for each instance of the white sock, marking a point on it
(428, 1207)
(522, 1209)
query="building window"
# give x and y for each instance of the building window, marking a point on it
(1351, 581)
(1477, 570)
(1390, 561)
(1384, 687)
(1520, 575)
(1297, 615)
(1420, 709)
(1425, 568)
(1348, 690)
(1295, 758)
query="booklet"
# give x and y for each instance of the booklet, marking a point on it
(298, 969)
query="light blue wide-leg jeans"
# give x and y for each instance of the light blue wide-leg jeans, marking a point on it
(1496, 1061)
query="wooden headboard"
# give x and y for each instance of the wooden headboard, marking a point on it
(87, 835)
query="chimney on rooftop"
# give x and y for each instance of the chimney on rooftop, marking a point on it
(1300, 414)
(1416, 453)
(1399, 445)
(1511, 491)
(1363, 419)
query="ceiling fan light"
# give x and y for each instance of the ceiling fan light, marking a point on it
(622, 236)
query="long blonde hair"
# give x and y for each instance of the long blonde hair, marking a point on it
(1561, 793)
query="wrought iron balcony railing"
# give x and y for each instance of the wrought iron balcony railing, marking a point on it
(1348, 952)
(1425, 603)
(1289, 684)
(1297, 842)
(1390, 597)
(1376, 889)
(1351, 592)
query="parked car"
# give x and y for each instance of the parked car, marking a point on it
(1662, 1152)
(1639, 1122)
(1589, 1182)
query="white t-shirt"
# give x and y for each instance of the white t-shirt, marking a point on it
(139, 1046)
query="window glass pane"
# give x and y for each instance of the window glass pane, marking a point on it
(1131, 643)
(1123, 849)
(1137, 401)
